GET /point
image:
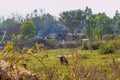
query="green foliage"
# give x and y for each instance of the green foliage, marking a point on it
(66, 77)
(106, 48)
(72, 19)
(8, 23)
(101, 25)
(9, 54)
(115, 43)
(8, 49)
(83, 65)
(83, 36)
(85, 45)
(16, 39)
(116, 21)
(119, 24)
(88, 22)
(39, 47)
(96, 44)
(28, 29)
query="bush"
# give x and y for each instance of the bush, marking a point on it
(115, 43)
(106, 48)
(85, 45)
(96, 45)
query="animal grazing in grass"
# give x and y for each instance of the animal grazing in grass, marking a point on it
(63, 60)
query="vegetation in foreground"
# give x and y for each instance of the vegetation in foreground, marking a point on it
(83, 65)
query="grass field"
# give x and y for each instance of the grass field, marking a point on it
(94, 66)
(85, 56)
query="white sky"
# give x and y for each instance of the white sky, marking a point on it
(54, 7)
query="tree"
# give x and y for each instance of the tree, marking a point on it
(116, 20)
(119, 25)
(88, 19)
(88, 22)
(28, 29)
(43, 21)
(35, 12)
(72, 19)
(102, 25)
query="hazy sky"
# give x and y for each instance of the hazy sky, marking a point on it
(54, 7)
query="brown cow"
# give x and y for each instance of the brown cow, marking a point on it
(63, 60)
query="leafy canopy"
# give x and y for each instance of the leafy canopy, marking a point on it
(28, 29)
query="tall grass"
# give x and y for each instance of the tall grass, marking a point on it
(82, 64)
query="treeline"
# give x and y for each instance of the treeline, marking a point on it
(95, 25)
(76, 21)
(14, 23)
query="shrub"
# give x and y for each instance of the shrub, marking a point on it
(96, 45)
(115, 43)
(85, 45)
(106, 48)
